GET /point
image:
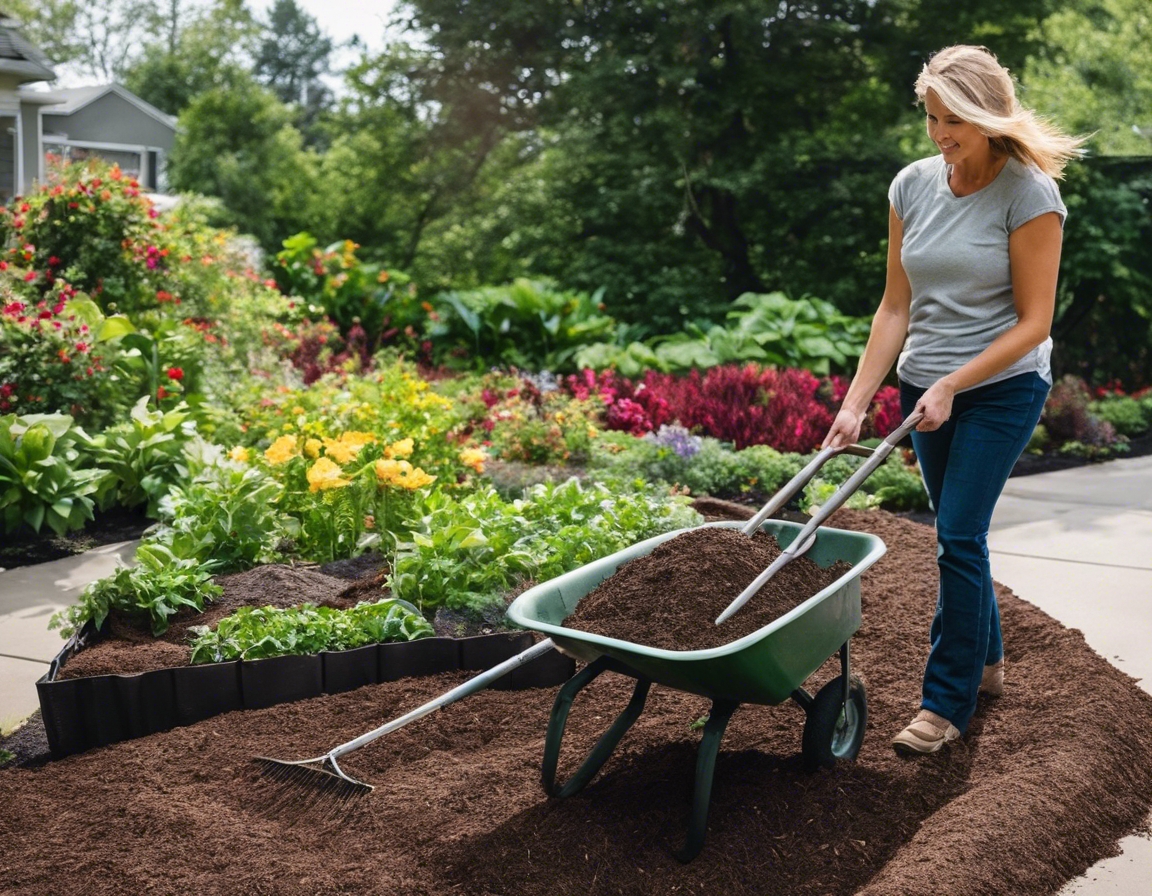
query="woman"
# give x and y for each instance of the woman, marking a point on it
(973, 253)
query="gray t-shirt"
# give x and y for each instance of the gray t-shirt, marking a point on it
(955, 253)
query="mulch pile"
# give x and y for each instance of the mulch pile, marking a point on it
(1047, 780)
(704, 570)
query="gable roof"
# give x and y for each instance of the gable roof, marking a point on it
(73, 99)
(18, 56)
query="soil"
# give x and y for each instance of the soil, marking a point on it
(1043, 785)
(703, 570)
(26, 548)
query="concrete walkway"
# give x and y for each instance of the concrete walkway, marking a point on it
(1077, 544)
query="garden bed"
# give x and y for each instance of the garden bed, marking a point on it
(1031, 797)
(120, 682)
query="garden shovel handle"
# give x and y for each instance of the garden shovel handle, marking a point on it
(471, 686)
(807, 536)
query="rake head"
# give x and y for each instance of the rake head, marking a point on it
(310, 787)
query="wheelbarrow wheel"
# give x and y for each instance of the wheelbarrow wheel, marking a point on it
(834, 730)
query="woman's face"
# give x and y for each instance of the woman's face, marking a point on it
(957, 140)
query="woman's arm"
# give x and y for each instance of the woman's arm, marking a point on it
(1034, 257)
(889, 329)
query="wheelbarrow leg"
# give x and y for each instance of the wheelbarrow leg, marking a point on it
(718, 718)
(608, 741)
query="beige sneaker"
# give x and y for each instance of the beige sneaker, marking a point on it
(927, 734)
(992, 683)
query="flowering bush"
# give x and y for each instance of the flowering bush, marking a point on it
(1068, 419)
(379, 302)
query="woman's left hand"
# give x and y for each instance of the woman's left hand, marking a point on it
(936, 405)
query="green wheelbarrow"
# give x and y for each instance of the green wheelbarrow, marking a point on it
(767, 666)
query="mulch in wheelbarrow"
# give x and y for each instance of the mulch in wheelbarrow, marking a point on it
(1046, 782)
(670, 597)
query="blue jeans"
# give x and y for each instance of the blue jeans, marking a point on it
(965, 464)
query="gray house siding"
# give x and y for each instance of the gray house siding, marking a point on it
(112, 119)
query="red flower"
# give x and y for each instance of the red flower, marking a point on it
(175, 373)
(161, 393)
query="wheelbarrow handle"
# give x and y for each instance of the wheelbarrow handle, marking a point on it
(806, 537)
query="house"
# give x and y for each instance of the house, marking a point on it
(39, 126)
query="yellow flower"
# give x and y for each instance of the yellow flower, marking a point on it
(402, 474)
(239, 453)
(325, 474)
(357, 440)
(312, 448)
(403, 448)
(297, 410)
(339, 451)
(474, 458)
(282, 450)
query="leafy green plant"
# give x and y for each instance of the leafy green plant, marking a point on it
(227, 512)
(350, 290)
(258, 632)
(157, 587)
(42, 480)
(1128, 416)
(770, 329)
(468, 552)
(144, 457)
(528, 324)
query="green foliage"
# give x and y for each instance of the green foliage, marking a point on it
(144, 456)
(42, 480)
(257, 632)
(468, 552)
(529, 324)
(893, 485)
(1129, 416)
(1103, 325)
(806, 333)
(351, 291)
(157, 587)
(238, 143)
(227, 512)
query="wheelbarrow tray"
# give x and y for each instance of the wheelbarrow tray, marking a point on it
(765, 666)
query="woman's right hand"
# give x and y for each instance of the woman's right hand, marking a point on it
(845, 429)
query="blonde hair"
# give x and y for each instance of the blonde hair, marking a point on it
(973, 85)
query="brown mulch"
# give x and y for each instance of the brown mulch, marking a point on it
(706, 569)
(1046, 781)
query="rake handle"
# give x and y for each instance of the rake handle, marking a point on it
(471, 686)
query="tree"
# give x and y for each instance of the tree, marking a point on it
(711, 148)
(238, 143)
(291, 59)
(50, 25)
(1093, 73)
(197, 48)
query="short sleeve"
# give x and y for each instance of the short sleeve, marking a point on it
(897, 193)
(1036, 195)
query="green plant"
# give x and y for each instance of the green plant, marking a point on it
(1128, 415)
(42, 481)
(770, 329)
(228, 512)
(468, 552)
(257, 632)
(528, 324)
(144, 457)
(157, 587)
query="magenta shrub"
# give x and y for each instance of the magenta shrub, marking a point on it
(788, 409)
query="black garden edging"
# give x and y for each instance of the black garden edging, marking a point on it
(82, 713)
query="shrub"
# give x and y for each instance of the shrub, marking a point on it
(1128, 416)
(1068, 417)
